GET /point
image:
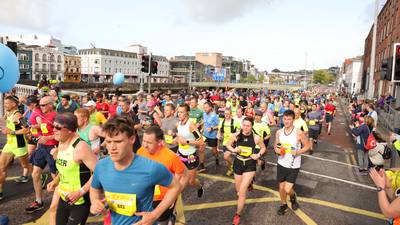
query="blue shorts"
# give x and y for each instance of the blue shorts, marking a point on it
(41, 157)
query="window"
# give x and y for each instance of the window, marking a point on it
(58, 67)
(52, 58)
(37, 57)
(44, 58)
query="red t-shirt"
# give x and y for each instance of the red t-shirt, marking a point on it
(249, 112)
(46, 127)
(214, 98)
(330, 108)
(36, 114)
(102, 106)
(112, 110)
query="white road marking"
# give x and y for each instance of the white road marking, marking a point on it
(330, 160)
(334, 178)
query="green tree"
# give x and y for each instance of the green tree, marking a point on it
(261, 78)
(323, 77)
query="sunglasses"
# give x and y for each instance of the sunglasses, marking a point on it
(58, 127)
(43, 105)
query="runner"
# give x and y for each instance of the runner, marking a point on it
(244, 165)
(96, 118)
(298, 122)
(226, 128)
(75, 161)
(168, 125)
(89, 133)
(211, 122)
(188, 137)
(314, 119)
(262, 130)
(16, 145)
(128, 181)
(41, 156)
(153, 148)
(330, 111)
(288, 143)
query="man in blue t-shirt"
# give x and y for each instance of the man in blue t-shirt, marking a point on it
(127, 180)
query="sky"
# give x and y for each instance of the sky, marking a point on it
(284, 34)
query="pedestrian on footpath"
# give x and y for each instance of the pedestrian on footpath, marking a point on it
(362, 132)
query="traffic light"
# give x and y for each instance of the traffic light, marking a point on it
(154, 67)
(145, 63)
(396, 63)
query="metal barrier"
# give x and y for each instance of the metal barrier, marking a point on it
(26, 90)
(388, 117)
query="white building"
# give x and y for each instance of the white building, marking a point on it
(47, 62)
(163, 69)
(138, 49)
(353, 74)
(99, 65)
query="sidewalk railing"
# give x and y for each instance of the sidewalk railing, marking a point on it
(388, 117)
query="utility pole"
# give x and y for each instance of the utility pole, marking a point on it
(370, 93)
(305, 74)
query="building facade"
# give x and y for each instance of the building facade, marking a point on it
(210, 58)
(234, 68)
(353, 71)
(99, 65)
(25, 63)
(388, 33)
(72, 68)
(184, 68)
(47, 63)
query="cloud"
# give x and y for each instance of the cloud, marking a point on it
(220, 11)
(368, 15)
(29, 14)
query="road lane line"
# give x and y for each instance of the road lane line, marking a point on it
(210, 205)
(307, 200)
(329, 160)
(333, 178)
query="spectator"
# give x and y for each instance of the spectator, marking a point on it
(362, 132)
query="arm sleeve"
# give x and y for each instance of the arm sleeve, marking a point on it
(161, 175)
(96, 181)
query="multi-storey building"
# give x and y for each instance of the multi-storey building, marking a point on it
(388, 33)
(72, 68)
(184, 68)
(99, 65)
(47, 62)
(25, 63)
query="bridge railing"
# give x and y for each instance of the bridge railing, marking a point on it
(246, 85)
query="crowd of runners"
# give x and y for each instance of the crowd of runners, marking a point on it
(129, 157)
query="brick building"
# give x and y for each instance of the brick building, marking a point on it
(388, 33)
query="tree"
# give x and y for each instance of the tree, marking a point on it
(323, 77)
(261, 78)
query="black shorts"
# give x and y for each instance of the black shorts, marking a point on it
(328, 117)
(191, 161)
(72, 214)
(211, 142)
(313, 133)
(41, 157)
(174, 149)
(167, 214)
(244, 166)
(286, 174)
(276, 113)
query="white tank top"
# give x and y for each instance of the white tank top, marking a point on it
(289, 141)
(184, 131)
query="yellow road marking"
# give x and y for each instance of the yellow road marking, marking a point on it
(209, 205)
(343, 208)
(301, 214)
(43, 220)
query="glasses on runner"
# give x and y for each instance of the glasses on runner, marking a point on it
(58, 127)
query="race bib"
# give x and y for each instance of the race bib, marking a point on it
(157, 190)
(124, 204)
(43, 128)
(168, 139)
(312, 122)
(194, 120)
(34, 131)
(10, 139)
(184, 147)
(245, 151)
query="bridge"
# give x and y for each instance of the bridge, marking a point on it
(254, 86)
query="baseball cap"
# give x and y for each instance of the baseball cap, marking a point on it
(90, 103)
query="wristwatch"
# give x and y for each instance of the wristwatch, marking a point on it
(13, 132)
(379, 189)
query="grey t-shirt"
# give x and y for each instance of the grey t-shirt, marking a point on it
(143, 106)
(315, 116)
(169, 127)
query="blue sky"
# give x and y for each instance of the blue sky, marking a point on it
(270, 33)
